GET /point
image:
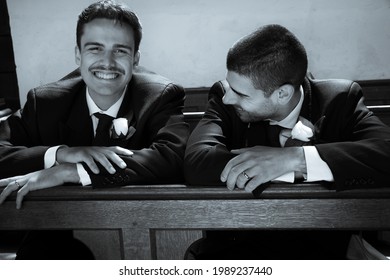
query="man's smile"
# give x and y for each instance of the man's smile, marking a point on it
(105, 76)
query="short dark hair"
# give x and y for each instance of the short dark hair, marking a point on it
(271, 56)
(109, 9)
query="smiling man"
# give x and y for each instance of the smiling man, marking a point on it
(55, 133)
(267, 90)
(109, 123)
(268, 120)
(110, 41)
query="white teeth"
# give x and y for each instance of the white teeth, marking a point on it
(105, 76)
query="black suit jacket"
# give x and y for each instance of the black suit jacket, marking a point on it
(57, 114)
(352, 141)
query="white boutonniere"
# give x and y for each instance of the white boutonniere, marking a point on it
(303, 130)
(120, 128)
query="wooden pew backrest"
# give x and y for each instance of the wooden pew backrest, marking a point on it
(376, 94)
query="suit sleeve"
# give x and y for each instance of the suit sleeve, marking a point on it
(208, 147)
(20, 149)
(357, 148)
(162, 160)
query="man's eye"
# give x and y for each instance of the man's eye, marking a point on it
(120, 52)
(94, 49)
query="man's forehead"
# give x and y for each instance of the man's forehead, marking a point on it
(235, 79)
(101, 31)
(102, 24)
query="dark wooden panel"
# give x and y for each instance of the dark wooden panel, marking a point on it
(6, 55)
(4, 18)
(137, 244)
(196, 99)
(105, 244)
(150, 218)
(376, 92)
(139, 216)
(9, 90)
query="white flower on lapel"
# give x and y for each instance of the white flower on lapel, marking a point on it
(302, 131)
(120, 128)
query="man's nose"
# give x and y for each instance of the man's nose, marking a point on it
(108, 58)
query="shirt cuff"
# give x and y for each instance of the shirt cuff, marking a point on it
(85, 180)
(50, 157)
(287, 178)
(317, 169)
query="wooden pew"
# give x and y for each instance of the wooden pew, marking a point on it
(155, 242)
(161, 221)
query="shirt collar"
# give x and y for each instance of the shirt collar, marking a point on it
(112, 111)
(292, 118)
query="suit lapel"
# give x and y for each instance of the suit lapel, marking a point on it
(78, 130)
(313, 107)
(126, 111)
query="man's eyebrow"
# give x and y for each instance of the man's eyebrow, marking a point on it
(123, 46)
(93, 44)
(101, 45)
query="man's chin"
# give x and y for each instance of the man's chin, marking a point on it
(246, 118)
(241, 116)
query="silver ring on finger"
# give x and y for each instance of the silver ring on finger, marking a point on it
(246, 175)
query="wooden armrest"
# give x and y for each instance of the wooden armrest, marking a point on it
(184, 192)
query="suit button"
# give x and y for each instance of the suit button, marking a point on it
(362, 181)
(118, 179)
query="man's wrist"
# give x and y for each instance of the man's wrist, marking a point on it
(299, 160)
(69, 173)
(58, 153)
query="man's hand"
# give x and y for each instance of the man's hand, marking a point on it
(257, 165)
(91, 155)
(42, 179)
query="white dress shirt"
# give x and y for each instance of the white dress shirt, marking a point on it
(317, 169)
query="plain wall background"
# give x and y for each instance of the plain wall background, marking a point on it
(187, 40)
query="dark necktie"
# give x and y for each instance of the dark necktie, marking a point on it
(295, 143)
(273, 132)
(102, 136)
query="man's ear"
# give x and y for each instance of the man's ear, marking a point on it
(136, 58)
(77, 55)
(285, 93)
